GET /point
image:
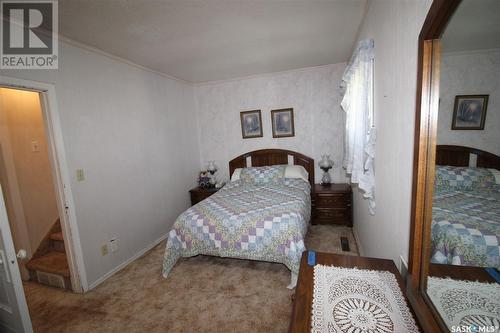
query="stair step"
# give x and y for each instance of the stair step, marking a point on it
(57, 242)
(57, 236)
(52, 262)
(57, 246)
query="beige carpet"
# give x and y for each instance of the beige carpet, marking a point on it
(202, 294)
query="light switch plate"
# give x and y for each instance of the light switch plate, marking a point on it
(35, 147)
(104, 250)
(80, 176)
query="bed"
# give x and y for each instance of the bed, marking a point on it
(250, 218)
(466, 208)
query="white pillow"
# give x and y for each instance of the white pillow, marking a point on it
(496, 173)
(296, 171)
(236, 174)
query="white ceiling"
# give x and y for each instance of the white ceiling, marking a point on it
(474, 26)
(206, 40)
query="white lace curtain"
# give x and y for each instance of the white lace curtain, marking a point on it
(360, 134)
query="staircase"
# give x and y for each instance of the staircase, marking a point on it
(49, 264)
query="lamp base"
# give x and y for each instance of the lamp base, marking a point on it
(326, 180)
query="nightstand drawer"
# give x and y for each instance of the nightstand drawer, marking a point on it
(340, 215)
(332, 201)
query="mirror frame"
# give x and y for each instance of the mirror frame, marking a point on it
(424, 156)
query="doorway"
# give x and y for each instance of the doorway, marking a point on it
(27, 178)
(36, 186)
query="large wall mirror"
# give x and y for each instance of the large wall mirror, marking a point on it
(455, 260)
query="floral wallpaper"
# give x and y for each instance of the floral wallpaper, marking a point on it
(314, 95)
(470, 73)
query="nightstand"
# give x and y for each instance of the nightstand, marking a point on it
(331, 204)
(198, 194)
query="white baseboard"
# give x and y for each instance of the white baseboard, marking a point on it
(126, 263)
(358, 243)
(403, 266)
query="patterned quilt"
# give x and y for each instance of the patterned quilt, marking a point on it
(466, 226)
(266, 222)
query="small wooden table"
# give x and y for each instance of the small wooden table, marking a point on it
(466, 273)
(198, 194)
(332, 204)
(302, 305)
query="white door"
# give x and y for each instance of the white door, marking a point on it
(14, 315)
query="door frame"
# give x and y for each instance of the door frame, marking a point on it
(60, 175)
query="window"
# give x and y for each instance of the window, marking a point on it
(360, 134)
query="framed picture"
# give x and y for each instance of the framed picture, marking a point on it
(282, 121)
(251, 124)
(469, 112)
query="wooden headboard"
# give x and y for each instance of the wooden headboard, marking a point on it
(459, 156)
(266, 157)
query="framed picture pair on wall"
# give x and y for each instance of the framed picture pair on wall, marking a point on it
(281, 119)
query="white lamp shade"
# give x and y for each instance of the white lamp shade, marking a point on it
(325, 161)
(211, 166)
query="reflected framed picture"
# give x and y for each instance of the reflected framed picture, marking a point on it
(251, 124)
(469, 112)
(282, 121)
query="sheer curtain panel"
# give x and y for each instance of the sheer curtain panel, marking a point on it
(360, 134)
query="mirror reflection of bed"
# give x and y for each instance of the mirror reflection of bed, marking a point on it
(466, 212)
(465, 234)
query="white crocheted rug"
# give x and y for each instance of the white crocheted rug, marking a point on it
(464, 304)
(358, 300)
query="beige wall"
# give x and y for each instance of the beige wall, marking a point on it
(33, 201)
(394, 26)
(135, 135)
